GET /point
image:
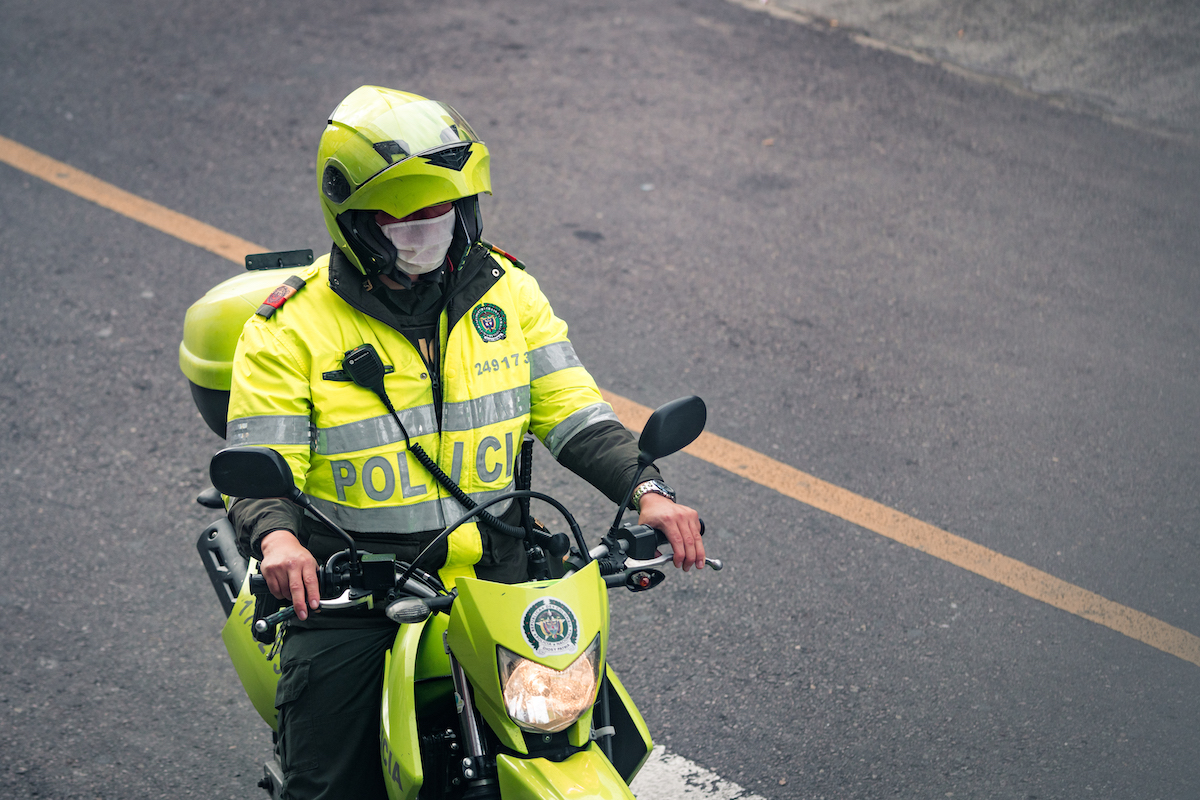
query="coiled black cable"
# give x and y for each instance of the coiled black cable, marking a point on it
(462, 497)
(363, 365)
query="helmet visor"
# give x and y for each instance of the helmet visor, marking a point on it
(399, 130)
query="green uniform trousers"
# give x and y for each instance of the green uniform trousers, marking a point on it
(331, 685)
(328, 700)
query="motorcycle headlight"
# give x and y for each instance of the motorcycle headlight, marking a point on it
(544, 700)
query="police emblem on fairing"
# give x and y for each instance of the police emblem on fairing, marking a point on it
(490, 322)
(550, 627)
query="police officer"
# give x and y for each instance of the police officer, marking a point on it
(474, 358)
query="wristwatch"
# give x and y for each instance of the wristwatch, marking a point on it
(653, 486)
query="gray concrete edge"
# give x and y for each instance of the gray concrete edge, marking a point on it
(1063, 101)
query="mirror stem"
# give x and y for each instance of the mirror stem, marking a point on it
(637, 478)
(300, 499)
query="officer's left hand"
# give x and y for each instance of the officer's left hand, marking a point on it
(681, 526)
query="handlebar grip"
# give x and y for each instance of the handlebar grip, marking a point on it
(330, 583)
(263, 629)
(662, 537)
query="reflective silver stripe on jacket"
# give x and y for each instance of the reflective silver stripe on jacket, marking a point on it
(561, 433)
(552, 358)
(427, 516)
(268, 430)
(375, 432)
(470, 415)
(467, 415)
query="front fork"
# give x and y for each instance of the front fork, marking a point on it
(477, 769)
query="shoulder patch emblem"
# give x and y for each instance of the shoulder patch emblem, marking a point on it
(491, 323)
(281, 295)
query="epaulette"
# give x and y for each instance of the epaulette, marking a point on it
(281, 295)
(509, 256)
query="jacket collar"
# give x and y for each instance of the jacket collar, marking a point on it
(464, 286)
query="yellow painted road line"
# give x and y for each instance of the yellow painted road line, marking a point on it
(876, 517)
(130, 205)
(728, 455)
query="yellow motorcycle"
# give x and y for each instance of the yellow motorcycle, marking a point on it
(490, 690)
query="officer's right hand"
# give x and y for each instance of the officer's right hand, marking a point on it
(290, 570)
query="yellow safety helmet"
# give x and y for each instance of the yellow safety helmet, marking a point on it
(397, 152)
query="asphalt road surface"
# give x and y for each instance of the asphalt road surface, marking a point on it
(972, 307)
(1139, 62)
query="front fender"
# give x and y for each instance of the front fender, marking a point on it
(413, 670)
(584, 774)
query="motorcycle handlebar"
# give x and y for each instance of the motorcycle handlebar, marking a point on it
(330, 582)
(634, 539)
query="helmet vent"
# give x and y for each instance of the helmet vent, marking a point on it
(453, 157)
(390, 150)
(334, 185)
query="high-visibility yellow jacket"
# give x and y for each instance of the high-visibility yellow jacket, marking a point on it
(507, 367)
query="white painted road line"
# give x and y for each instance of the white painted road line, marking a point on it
(667, 776)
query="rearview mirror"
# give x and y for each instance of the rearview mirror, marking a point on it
(255, 472)
(260, 473)
(671, 428)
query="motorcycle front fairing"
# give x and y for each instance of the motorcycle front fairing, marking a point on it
(548, 622)
(552, 624)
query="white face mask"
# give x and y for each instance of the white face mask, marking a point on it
(421, 244)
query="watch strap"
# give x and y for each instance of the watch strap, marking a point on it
(652, 486)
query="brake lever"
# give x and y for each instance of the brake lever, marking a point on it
(351, 598)
(663, 558)
(633, 563)
(263, 629)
